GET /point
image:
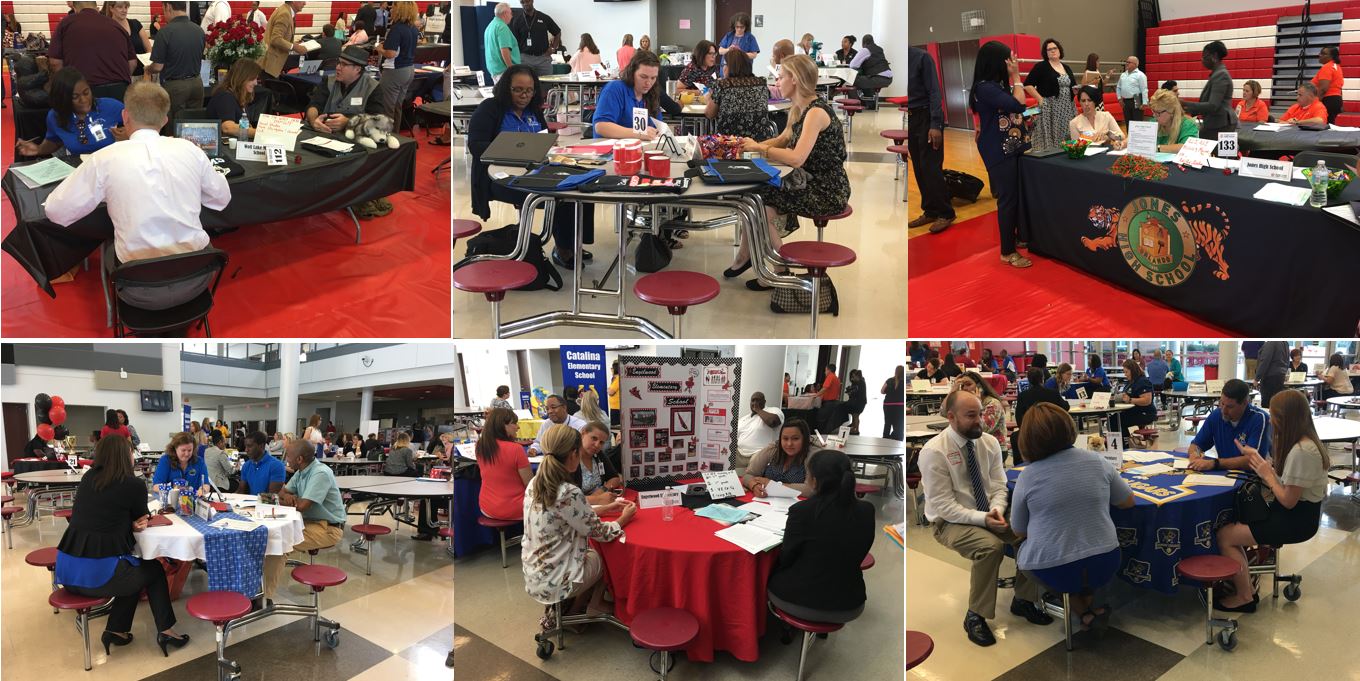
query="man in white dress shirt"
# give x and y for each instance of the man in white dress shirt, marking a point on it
(557, 415)
(256, 15)
(756, 430)
(965, 486)
(153, 186)
(219, 10)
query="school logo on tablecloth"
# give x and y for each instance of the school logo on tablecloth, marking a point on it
(1175, 575)
(1224, 517)
(1160, 242)
(1168, 540)
(1138, 571)
(1128, 536)
(1204, 533)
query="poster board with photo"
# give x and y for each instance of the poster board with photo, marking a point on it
(679, 416)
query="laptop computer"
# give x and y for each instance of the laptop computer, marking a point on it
(309, 66)
(521, 149)
(205, 134)
(1044, 152)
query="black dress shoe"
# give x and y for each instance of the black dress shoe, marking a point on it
(1248, 607)
(755, 285)
(978, 631)
(587, 255)
(169, 641)
(109, 638)
(1030, 612)
(733, 272)
(563, 262)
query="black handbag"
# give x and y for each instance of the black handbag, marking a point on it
(653, 254)
(1250, 503)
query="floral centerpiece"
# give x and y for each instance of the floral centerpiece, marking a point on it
(1076, 148)
(235, 38)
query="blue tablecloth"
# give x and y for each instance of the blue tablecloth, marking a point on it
(468, 536)
(235, 559)
(1156, 535)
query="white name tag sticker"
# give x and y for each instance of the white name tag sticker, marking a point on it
(641, 119)
(356, 101)
(1227, 144)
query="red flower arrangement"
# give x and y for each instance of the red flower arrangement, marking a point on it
(1129, 165)
(235, 38)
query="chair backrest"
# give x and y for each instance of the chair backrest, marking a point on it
(191, 114)
(167, 281)
(1308, 159)
(328, 64)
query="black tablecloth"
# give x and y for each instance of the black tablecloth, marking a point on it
(262, 194)
(1260, 268)
(1296, 140)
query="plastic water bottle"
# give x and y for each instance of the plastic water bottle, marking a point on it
(243, 128)
(1319, 184)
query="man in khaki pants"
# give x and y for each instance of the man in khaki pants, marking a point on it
(312, 490)
(965, 487)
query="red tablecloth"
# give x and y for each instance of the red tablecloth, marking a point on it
(999, 383)
(680, 564)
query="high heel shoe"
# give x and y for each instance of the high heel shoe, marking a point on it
(162, 640)
(109, 638)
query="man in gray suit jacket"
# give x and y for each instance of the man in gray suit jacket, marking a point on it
(1215, 101)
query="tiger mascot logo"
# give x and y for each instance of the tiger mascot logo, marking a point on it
(1160, 242)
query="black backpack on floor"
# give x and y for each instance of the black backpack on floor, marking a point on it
(502, 242)
(962, 185)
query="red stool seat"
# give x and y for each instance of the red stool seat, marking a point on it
(847, 101)
(817, 255)
(806, 625)
(676, 289)
(6, 499)
(463, 229)
(1194, 419)
(6, 475)
(8, 511)
(894, 135)
(919, 647)
(868, 561)
(63, 513)
(218, 607)
(912, 480)
(319, 576)
(446, 532)
(900, 101)
(45, 557)
(61, 598)
(1145, 432)
(845, 88)
(494, 277)
(554, 126)
(496, 522)
(667, 629)
(821, 220)
(899, 149)
(861, 489)
(371, 531)
(1208, 568)
(851, 109)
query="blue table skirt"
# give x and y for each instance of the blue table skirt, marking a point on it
(468, 536)
(1153, 538)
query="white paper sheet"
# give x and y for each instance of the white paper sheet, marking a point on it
(1145, 457)
(753, 539)
(1151, 469)
(779, 489)
(1092, 151)
(1209, 480)
(1117, 152)
(758, 508)
(1283, 193)
(311, 45)
(1344, 212)
(773, 522)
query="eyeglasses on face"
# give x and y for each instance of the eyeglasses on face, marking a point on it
(522, 90)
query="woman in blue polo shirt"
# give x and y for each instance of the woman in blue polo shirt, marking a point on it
(740, 38)
(1062, 382)
(1139, 394)
(77, 121)
(628, 107)
(1096, 380)
(180, 464)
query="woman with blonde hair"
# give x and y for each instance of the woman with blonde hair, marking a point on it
(402, 459)
(1295, 482)
(590, 406)
(558, 526)
(805, 45)
(1173, 126)
(1251, 109)
(398, 45)
(626, 51)
(645, 43)
(813, 144)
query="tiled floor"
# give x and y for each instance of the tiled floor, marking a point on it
(1152, 635)
(396, 624)
(872, 298)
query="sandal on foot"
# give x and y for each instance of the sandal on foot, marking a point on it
(1016, 260)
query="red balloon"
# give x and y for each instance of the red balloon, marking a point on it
(57, 414)
(58, 402)
(45, 431)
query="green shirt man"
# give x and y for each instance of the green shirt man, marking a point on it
(498, 37)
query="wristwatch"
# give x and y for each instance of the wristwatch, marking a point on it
(1216, 463)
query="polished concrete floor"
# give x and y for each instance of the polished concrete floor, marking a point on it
(396, 624)
(872, 291)
(497, 620)
(1152, 635)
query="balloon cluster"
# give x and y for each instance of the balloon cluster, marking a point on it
(51, 410)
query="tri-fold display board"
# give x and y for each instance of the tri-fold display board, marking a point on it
(679, 416)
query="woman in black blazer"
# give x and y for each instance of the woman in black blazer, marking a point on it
(525, 110)
(97, 555)
(1051, 83)
(825, 539)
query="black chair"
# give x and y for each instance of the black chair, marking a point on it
(1309, 159)
(283, 98)
(185, 282)
(191, 115)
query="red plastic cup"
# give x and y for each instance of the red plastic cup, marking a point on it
(627, 168)
(628, 151)
(658, 165)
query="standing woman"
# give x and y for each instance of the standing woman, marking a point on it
(138, 37)
(1329, 81)
(155, 25)
(132, 432)
(615, 408)
(1092, 75)
(625, 52)
(342, 22)
(1051, 83)
(112, 426)
(586, 54)
(97, 553)
(785, 461)
(739, 38)
(645, 43)
(1215, 100)
(399, 45)
(998, 98)
(313, 434)
(813, 142)
(856, 398)
(894, 404)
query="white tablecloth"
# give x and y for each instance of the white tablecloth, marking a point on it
(179, 540)
(846, 74)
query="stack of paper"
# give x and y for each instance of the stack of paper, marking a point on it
(781, 504)
(1283, 193)
(723, 513)
(1272, 127)
(234, 524)
(1145, 457)
(43, 172)
(774, 522)
(328, 143)
(779, 489)
(758, 508)
(752, 539)
(1151, 469)
(1092, 151)
(1209, 480)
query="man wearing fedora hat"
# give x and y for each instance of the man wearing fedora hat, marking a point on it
(348, 93)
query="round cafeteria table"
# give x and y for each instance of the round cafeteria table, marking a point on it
(32, 465)
(880, 451)
(347, 465)
(53, 483)
(1343, 402)
(681, 564)
(180, 541)
(1168, 523)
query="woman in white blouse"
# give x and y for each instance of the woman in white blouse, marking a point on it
(558, 524)
(1096, 126)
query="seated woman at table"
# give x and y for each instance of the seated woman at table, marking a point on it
(1173, 126)
(812, 142)
(587, 55)
(355, 445)
(740, 101)
(357, 36)
(559, 523)
(504, 466)
(1062, 382)
(1139, 393)
(180, 464)
(516, 106)
(78, 121)
(785, 461)
(1251, 109)
(1336, 380)
(97, 554)
(1296, 364)
(1095, 378)
(826, 537)
(402, 459)
(1094, 125)
(234, 96)
(994, 412)
(1296, 481)
(1060, 509)
(702, 68)
(933, 371)
(597, 474)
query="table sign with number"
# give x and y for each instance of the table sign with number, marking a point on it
(1227, 144)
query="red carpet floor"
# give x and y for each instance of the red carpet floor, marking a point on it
(296, 279)
(959, 288)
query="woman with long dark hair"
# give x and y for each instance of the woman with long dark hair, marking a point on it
(826, 537)
(856, 398)
(132, 432)
(1336, 380)
(1139, 393)
(587, 53)
(998, 98)
(234, 96)
(785, 461)
(504, 466)
(112, 426)
(78, 121)
(894, 404)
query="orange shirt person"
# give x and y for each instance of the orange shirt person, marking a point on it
(831, 385)
(1328, 79)
(1308, 110)
(1251, 109)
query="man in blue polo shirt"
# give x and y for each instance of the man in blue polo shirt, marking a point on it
(260, 472)
(313, 492)
(1235, 421)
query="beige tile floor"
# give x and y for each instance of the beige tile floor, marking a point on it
(1280, 640)
(872, 290)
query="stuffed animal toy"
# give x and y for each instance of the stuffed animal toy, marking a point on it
(372, 130)
(1095, 442)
